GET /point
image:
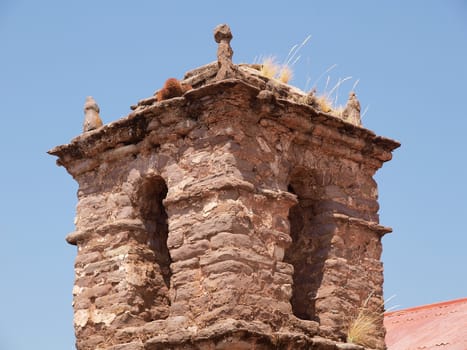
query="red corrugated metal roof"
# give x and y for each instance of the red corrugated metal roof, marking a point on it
(441, 326)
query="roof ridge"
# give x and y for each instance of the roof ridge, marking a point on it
(427, 306)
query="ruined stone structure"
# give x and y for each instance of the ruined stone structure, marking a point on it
(236, 216)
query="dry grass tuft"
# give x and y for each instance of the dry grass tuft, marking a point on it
(269, 68)
(285, 74)
(324, 103)
(362, 327)
(365, 325)
(273, 70)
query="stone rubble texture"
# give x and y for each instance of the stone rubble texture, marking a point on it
(234, 217)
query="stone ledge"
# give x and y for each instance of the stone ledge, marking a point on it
(242, 337)
(330, 217)
(220, 182)
(373, 226)
(134, 128)
(75, 237)
(205, 189)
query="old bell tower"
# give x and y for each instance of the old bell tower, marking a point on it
(233, 213)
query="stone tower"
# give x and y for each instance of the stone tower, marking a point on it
(235, 216)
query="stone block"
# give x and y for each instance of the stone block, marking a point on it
(190, 250)
(185, 276)
(233, 266)
(87, 258)
(223, 239)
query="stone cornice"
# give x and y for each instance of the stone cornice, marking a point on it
(180, 114)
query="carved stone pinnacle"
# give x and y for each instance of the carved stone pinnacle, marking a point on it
(92, 119)
(352, 110)
(222, 36)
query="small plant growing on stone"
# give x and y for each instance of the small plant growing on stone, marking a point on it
(273, 70)
(328, 104)
(324, 103)
(285, 74)
(282, 72)
(362, 327)
(365, 324)
(269, 68)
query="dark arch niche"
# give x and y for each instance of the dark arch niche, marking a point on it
(151, 194)
(307, 252)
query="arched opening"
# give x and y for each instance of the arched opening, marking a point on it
(296, 255)
(151, 194)
(307, 250)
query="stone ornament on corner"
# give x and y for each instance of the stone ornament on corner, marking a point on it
(92, 120)
(223, 36)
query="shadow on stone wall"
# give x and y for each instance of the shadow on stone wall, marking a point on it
(151, 194)
(310, 245)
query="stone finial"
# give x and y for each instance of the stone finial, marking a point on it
(351, 112)
(222, 32)
(223, 35)
(91, 115)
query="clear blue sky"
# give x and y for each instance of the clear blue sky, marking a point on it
(411, 61)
